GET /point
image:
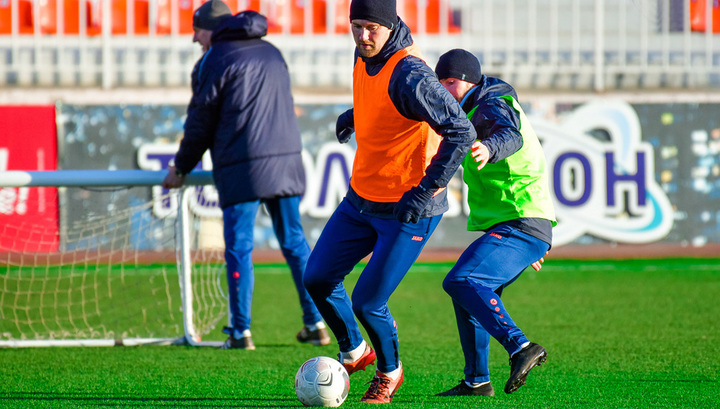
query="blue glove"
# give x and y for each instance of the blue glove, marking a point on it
(345, 126)
(412, 204)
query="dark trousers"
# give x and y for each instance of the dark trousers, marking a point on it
(239, 221)
(475, 284)
(347, 238)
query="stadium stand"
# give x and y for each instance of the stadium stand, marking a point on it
(24, 17)
(131, 16)
(550, 44)
(435, 17)
(65, 16)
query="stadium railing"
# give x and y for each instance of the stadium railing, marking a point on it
(538, 44)
(132, 264)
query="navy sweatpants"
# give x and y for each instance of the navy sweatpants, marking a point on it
(475, 284)
(347, 238)
(239, 222)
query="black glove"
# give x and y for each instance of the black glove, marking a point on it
(412, 204)
(345, 126)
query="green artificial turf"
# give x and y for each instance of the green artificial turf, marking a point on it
(619, 334)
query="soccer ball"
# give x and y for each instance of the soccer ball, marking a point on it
(322, 381)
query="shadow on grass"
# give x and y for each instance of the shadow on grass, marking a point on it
(89, 399)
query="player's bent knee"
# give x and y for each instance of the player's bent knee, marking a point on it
(312, 282)
(362, 309)
(451, 284)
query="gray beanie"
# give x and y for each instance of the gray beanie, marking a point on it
(211, 14)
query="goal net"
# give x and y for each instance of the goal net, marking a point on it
(109, 265)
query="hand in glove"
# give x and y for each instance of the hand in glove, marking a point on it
(412, 204)
(345, 126)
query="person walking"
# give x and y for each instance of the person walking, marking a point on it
(242, 111)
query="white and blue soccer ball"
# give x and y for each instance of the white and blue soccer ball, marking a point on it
(322, 381)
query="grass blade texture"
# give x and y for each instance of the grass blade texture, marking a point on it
(619, 334)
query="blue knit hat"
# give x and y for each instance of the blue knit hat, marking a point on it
(459, 64)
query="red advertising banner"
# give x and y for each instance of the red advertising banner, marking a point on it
(28, 216)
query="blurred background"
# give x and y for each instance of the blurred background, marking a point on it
(591, 45)
(88, 84)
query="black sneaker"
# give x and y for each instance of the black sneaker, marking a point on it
(237, 343)
(464, 390)
(521, 363)
(316, 337)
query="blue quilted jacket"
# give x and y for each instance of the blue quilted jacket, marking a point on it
(242, 111)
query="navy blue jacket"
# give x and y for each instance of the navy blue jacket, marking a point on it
(242, 110)
(418, 95)
(497, 124)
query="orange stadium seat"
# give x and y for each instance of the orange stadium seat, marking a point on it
(432, 17)
(185, 10)
(71, 17)
(278, 12)
(698, 16)
(341, 22)
(25, 17)
(141, 15)
(342, 16)
(292, 12)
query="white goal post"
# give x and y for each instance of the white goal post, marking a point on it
(104, 258)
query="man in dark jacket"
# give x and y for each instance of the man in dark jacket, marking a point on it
(411, 138)
(242, 111)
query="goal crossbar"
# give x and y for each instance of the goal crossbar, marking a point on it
(96, 178)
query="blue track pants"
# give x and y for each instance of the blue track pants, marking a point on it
(347, 238)
(475, 284)
(239, 221)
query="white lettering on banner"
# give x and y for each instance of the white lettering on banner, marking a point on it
(8, 195)
(4, 159)
(13, 200)
(602, 188)
(204, 202)
(327, 180)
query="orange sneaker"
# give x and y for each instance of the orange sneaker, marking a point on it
(382, 389)
(367, 358)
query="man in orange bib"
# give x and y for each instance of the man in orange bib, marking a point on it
(411, 137)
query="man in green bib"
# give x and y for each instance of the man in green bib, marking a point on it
(510, 201)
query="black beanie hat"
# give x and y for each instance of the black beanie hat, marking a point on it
(459, 64)
(383, 12)
(211, 14)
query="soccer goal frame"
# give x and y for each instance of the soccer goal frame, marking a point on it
(183, 249)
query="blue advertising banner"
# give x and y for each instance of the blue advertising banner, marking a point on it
(619, 172)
